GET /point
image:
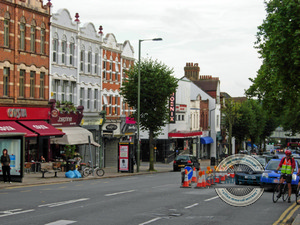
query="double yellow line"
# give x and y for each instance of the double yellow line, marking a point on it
(287, 214)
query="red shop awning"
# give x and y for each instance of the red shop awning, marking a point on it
(42, 128)
(184, 134)
(13, 127)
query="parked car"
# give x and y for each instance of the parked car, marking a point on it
(182, 161)
(270, 176)
(262, 159)
(251, 177)
(244, 152)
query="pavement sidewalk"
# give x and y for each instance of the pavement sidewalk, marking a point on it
(110, 172)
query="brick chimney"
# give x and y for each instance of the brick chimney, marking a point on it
(192, 71)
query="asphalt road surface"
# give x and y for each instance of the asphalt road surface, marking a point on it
(137, 200)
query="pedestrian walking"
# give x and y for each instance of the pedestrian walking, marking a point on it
(5, 162)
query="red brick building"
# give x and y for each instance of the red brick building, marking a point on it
(24, 76)
(24, 52)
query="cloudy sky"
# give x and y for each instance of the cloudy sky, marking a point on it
(219, 35)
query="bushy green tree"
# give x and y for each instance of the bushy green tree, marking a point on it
(230, 112)
(277, 83)
(157, 85)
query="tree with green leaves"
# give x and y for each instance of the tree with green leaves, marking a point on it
(157, 85)
(230, 112)
(277, 83)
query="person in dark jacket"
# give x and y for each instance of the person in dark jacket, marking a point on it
(5, 162)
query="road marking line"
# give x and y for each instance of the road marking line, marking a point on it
(211, 198)
(291, 213)
(10, 213)
(26, 191)
(150, 221)
(119, 193)
(63, 203)
(191, 206)
(61, 222)
(284, 214)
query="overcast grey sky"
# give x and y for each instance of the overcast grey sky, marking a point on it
(219, 35)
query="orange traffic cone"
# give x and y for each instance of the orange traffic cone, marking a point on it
(201, 180)
(186, 183)
(194, 177)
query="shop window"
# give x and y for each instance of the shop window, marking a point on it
(43, 36)
(96, 94)
(6, 73)
(89, 95)
(55, 89)
(55, 49)
(64, 90)
(63, 51)
(6, 30)
(81, 96)
(32, 37)
(82, 60)
(22, 35)
(96, 63)
(72, 50)
(42, 85)
(32, 83)
(22, 83)
(72, 91)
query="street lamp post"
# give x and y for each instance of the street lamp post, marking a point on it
(139, 100)
(102, 115)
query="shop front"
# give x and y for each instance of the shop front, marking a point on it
(185, 141)
(33, 123)
(77, 140)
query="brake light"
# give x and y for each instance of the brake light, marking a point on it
(174, 162)
(189, 161)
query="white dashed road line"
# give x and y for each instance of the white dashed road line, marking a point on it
(119, 193)
(150, 221)
(191, 206)
(211, 198)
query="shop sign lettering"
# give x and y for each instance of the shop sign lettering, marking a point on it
(64, 119)
(16, 113)
(172, 106)
(40, 127)
(7, 128)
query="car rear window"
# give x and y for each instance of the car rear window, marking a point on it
(273, 165)
(184, 157)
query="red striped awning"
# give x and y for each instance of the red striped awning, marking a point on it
(42, 128)
(14, 127)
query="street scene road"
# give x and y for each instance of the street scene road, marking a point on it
(145, 199)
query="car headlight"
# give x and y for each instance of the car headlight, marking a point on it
(265, 175)
(294, 177)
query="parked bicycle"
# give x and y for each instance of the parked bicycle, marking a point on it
(88, 170)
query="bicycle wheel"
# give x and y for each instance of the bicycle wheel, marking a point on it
(276, 193)
(99, 172)
(297, 195)
(86, 172)
(285, 192)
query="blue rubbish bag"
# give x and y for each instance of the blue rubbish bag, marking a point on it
(77, 174)
(70, 174)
